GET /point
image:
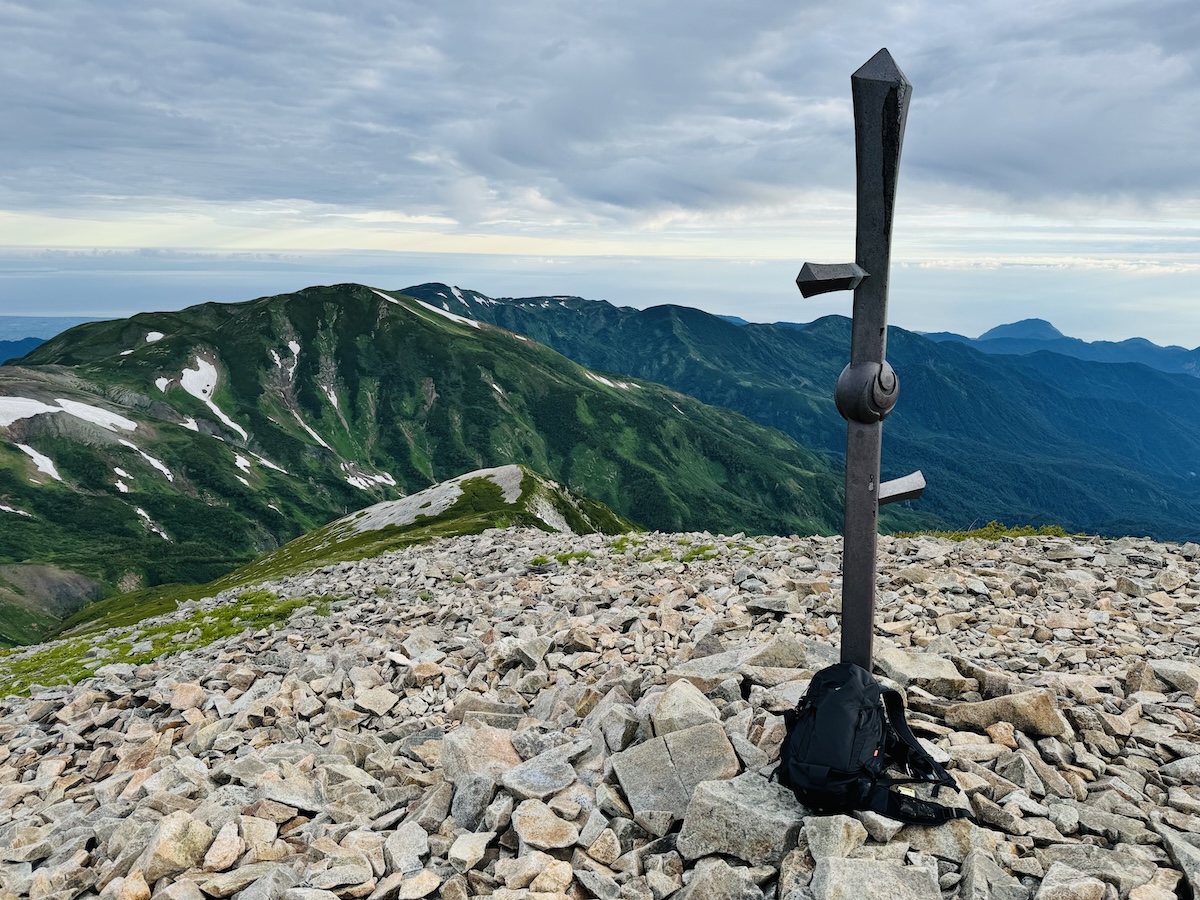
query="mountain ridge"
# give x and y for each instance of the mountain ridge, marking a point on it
(1037, 335)
(204, 437)
(1043, 438)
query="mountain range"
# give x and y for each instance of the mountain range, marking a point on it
(172, 447)
(1038, 335)
(1038, 439)
(10, 350)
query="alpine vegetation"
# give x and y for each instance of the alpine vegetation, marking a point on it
(204, 438)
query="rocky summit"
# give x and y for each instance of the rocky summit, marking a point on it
(540, 716)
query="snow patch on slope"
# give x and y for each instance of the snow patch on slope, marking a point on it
(316, 437)
(44, 463)
(150, 523)
(623, 385)
(461, 320)
(156, 463)
(96, 415)
(13, 509)
(445, 313)
(430, 502)
(200, 382)
(386, 297)
(365, 480)
(270, 465)
(13, 409)
(154, 336)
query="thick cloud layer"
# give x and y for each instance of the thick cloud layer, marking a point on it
(528, 113)
(688, 151)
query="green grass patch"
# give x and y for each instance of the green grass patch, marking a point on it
(701, 552)
(67, 661)
(625, 541)
(565, 558)
(539, 560)
(123, 610)
(19, 625)
(992, 531)
(663, 555)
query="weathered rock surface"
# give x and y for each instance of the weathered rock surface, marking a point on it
(466, 722)
(748, 817)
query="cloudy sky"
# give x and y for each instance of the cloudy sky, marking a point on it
(155, 155)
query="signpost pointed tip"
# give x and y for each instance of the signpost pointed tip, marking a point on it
(880, 67)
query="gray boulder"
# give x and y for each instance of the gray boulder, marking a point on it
(747, 817)
(869, 879)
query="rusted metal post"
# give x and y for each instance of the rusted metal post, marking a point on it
(867, 388)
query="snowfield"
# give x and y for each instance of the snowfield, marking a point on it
(157, 463)
(96, 415)
(200, 382)
(13, 409)
(44, 463)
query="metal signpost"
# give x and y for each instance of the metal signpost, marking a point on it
(866, 390)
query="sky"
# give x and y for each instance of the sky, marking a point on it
(156, 155)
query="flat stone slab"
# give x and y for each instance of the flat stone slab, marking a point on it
(1033, 712)
(478, 750)
(1116, 867)
(869, 879)
(935, 674)
(538, 826)
(682, 706)
(662, 773)
(749, 817)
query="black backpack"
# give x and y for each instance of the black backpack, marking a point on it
(843, 736)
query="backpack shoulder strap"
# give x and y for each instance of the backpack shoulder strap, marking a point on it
(912, 810)
(908, 750)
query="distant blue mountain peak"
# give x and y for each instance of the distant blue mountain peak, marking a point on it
(1026, 329)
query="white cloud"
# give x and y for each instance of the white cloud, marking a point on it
(670, 130)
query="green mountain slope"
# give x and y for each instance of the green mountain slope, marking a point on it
(1035, 439)
(502, 497)
(171, 447)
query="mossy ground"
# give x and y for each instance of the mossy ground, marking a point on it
(992, 531)
(67, 661)
(684, 551)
